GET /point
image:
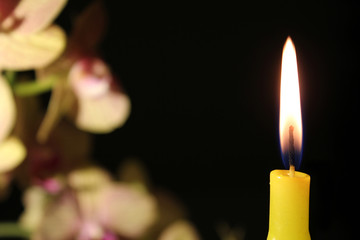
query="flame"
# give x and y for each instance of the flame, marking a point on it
(290, 110)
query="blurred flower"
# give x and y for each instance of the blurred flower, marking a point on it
(179, 230)
(27, 40)
(92, 207)
(170, 209)
(101, 107)
(170, 223)
(86, 91)
(35, 200)
(7, 109)
(12, 151)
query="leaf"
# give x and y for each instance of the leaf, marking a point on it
(25, 52)
(12, 153)
(7, 109)
(31, 16)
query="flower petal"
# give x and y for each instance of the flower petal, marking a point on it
(19, 52)
(103, 114)
(35, 200)
(61, 220)
(179, 230)
(101, 107)
(126, 211)
(12, 153)
(34, 15)
(88, 178)
(7, 109)
(90, 229)
(90, 78)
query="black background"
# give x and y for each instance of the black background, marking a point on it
(204, 81)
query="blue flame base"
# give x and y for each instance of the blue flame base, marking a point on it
(296, 161)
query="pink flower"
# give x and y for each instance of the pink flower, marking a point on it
(87, 91)
(101, 107)
(93, 207)
(27, 41)
(27, 38)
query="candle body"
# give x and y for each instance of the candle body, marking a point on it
(289, 206)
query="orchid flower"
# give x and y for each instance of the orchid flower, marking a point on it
(27, 41)
(12, 151)
(87, 91)
(27, 38)
(92, 207)
(101, 107)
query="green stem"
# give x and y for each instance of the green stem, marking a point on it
(10, 76)
(35, 87)
(54, 112)
(10, 229)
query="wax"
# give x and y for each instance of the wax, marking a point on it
(289, 206)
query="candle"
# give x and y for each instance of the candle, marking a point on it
(289, 189)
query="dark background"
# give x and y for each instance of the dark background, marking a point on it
(204, 82)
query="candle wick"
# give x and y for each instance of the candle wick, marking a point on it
(292, 171)
(291, 151)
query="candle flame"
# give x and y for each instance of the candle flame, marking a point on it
(290, 110)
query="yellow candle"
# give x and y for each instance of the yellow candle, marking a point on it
(289, 189)
(289, 206)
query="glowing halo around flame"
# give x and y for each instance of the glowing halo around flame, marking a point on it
(290, 109)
